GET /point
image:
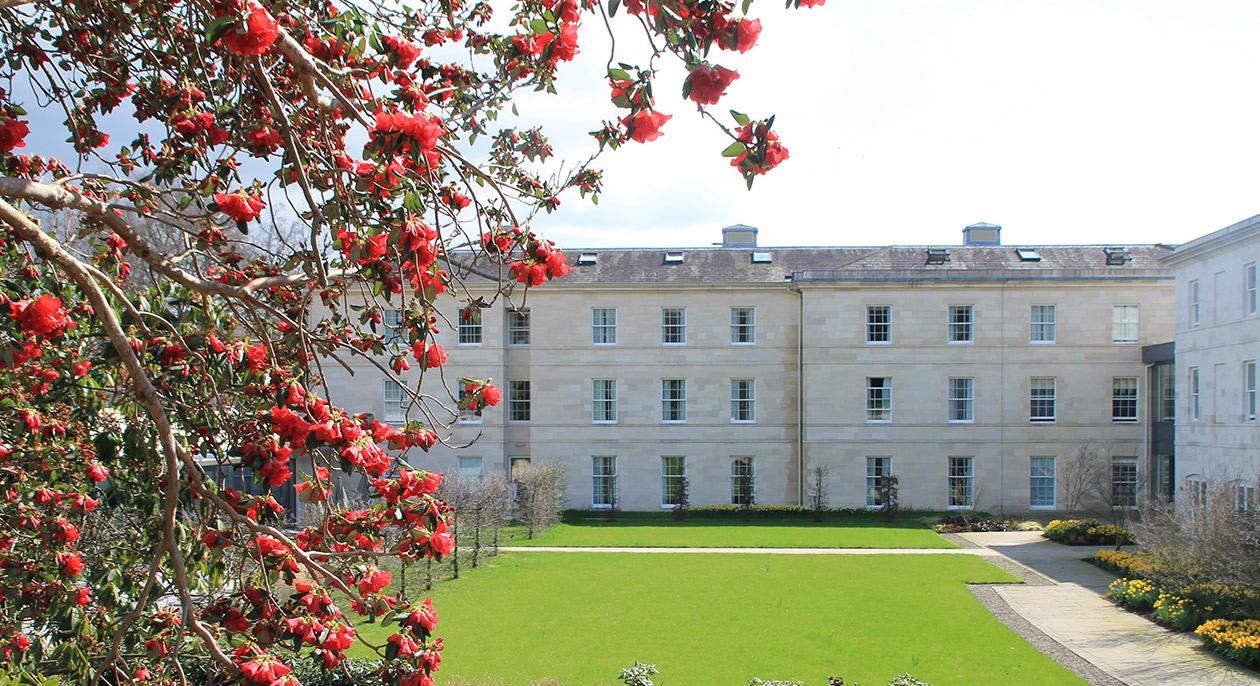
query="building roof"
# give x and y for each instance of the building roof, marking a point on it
(890, 263)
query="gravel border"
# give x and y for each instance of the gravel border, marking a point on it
(962, 542)
(988, 596)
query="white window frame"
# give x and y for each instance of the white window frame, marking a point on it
(1194, 394)
(394, 398)
(603, 481)
(1039, 383)
(1249, 390)
(743, 401)
(960, 330)
(961, 480)
(879, 324)
(1043, 330)
(673, 326)
(1124, 477)
(1041, 480)
(468, 328)
(469, 471)
(667, 478)
(1193, 300)
(608, 401)
(1124, 394)
(878, 399)
(467, 416)
(518, 329)
(876, 466)
(603, 326)
(673, 401)
(1125, 324)
(391, 321)
(1244, 497)
(518, 399)
(736, 473)
(743, 326)
(962, 396)
(1249, 289)
(1198, 488)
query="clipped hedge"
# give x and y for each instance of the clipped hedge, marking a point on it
(1087, 532)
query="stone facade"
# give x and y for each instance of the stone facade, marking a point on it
(775, 316)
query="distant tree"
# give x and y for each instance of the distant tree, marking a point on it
(818, 491)
(540, 496)
(889, 504)
(681, 497)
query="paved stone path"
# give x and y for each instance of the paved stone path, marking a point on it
(1063, 602)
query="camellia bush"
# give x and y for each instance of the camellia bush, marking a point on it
(245, 189)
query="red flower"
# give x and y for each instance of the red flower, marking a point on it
(257, 356)
(566, 47)
(374, 581)
(239, 206)
(490, 395)
(97, 472)
(707, 83)
(70, 563)
(531, 45)
(44, 317)
(404, 49)
(81, 369)
(645, 125)
(83, 596)
(12, 133)
(557, 265)
(255, 36)
(442, 544)
(746, 33)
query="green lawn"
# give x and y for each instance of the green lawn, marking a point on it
(855, 532)
(720, 619)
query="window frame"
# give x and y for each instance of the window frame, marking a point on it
(1123, 331)
(667, 479)
(674, 401)
(516, 388)
(966, 402)
(875, 328)
(1043, 399)
(608, 478)
(1244, 497)
(749, 399)
(1124, 399)
(603, 326)
(1193, 394)
(1124, 472)
(607, 401)
(387, 386)
(957, 475)
(673, 333)
(956, 327)
(1042, 481)
(743, 332)
(459, 466)
(1249, 390)
(1039, 328)
(467, 416)
(391, 322)
(737, 497)
(518, 323)
(1193, 302)
(1249, 289)
(875, 414)
(876, 466)
(468, 330)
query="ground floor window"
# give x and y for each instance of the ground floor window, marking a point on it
(603, 481)
(1041, 485)
(1124, 479)
(875, 468)
(1245, 498)
(470, 467)
(961, 477)
(673, 473)
(743, 481)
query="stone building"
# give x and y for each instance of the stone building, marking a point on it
(969, 371)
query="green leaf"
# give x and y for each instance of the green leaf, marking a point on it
(242, 226)
(218, 27)
(618, 75)
(740, 118)
(734, 149)
(538, 26)
(612, 7)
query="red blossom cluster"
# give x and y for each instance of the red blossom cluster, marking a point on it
(255, 34)
(540, 262)
(240, 205)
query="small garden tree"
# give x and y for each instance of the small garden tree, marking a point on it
(820, 479)
(163, 346)
(539, 496)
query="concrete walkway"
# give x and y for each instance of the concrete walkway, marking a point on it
(1063, 601)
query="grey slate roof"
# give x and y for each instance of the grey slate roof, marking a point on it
(896, 263)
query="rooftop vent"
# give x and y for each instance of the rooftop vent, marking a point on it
(982, 233)
(587, 258)
(1117, 256)
(739, 236)
(673, 257)
(1027, 255)
(937, 256)
(761, 257)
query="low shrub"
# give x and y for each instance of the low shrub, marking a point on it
(903, 680)
(1177, 612)
(957, 524)
(1086, 532)
(1237, 640)
(1139, 594)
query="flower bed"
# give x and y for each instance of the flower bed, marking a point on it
(1237, 640)
(1087, 532)
(957, 524)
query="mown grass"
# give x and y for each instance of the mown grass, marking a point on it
(849, 532)
(721, 619)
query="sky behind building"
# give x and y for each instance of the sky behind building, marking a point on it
(1065, 121)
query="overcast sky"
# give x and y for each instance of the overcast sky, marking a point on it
(1064, 121)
